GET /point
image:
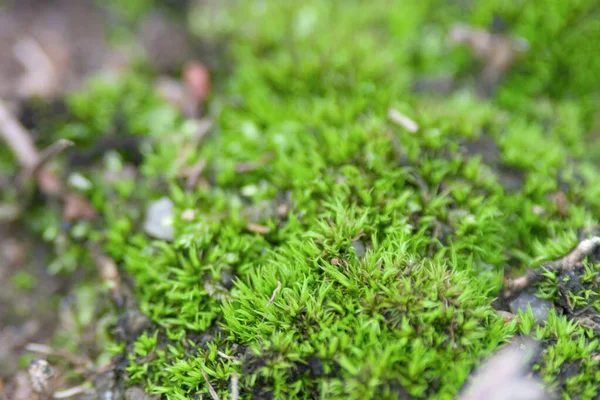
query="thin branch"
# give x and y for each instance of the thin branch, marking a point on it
(400, 119)
(570, 261)
(223, 355)
(17, 138)
(65, 394)
(55, 148)
(274, 293)
(235, 389)
(211, 389)
(49, 351)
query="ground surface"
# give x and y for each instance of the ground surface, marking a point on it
(342, 211)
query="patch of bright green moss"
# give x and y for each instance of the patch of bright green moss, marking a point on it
(310, 88)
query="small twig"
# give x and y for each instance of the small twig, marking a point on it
(211, 389)
(223, 355)
(400, 119)
(65, 394)
(274, 293)
(564, 264)
(49, 351)
(55, 148)
(20, 142)
(235, 390)
(256, 228)
(17, 138)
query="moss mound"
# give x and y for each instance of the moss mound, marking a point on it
(329, 251)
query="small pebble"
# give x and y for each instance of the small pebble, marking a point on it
(159, 219)
(506, 315)
(227, 278)
(136, 393)
(41, 375)
(359, 247)
(539, 307)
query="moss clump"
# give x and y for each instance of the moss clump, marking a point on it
(382, 250)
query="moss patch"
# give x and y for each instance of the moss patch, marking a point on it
(388, 247)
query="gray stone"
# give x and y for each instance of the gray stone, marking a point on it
(159, 219)
(227, 278)
(136, 393)
(359, 247)
(539, 307)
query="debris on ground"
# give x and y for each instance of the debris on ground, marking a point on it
(497, 52)
(505, 376)
(158, 222)
(571, 261)
(539, 307)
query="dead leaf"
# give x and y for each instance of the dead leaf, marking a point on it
(77, 207)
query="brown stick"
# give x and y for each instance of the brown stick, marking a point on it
(211, 389)
(18, 139)
(564, 264)
(235, 390)
(55, 148)
(277, 289)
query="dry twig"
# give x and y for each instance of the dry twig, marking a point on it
(570, 261)
(277, 289)
(400, 119)
(235, 390)
(223, 355)
(18, 139)
(57, 147)
(70, 357)
(65, 394)
(211, 389)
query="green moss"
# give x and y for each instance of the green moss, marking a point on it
(435, 210)
(24, 280)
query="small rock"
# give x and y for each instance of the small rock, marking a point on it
(106, 386)
(159, 219)
(41, 375)
(506, 376)
(359, 247)
(227, 278)
(136, 393)
(539, 307)
(506, 315)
